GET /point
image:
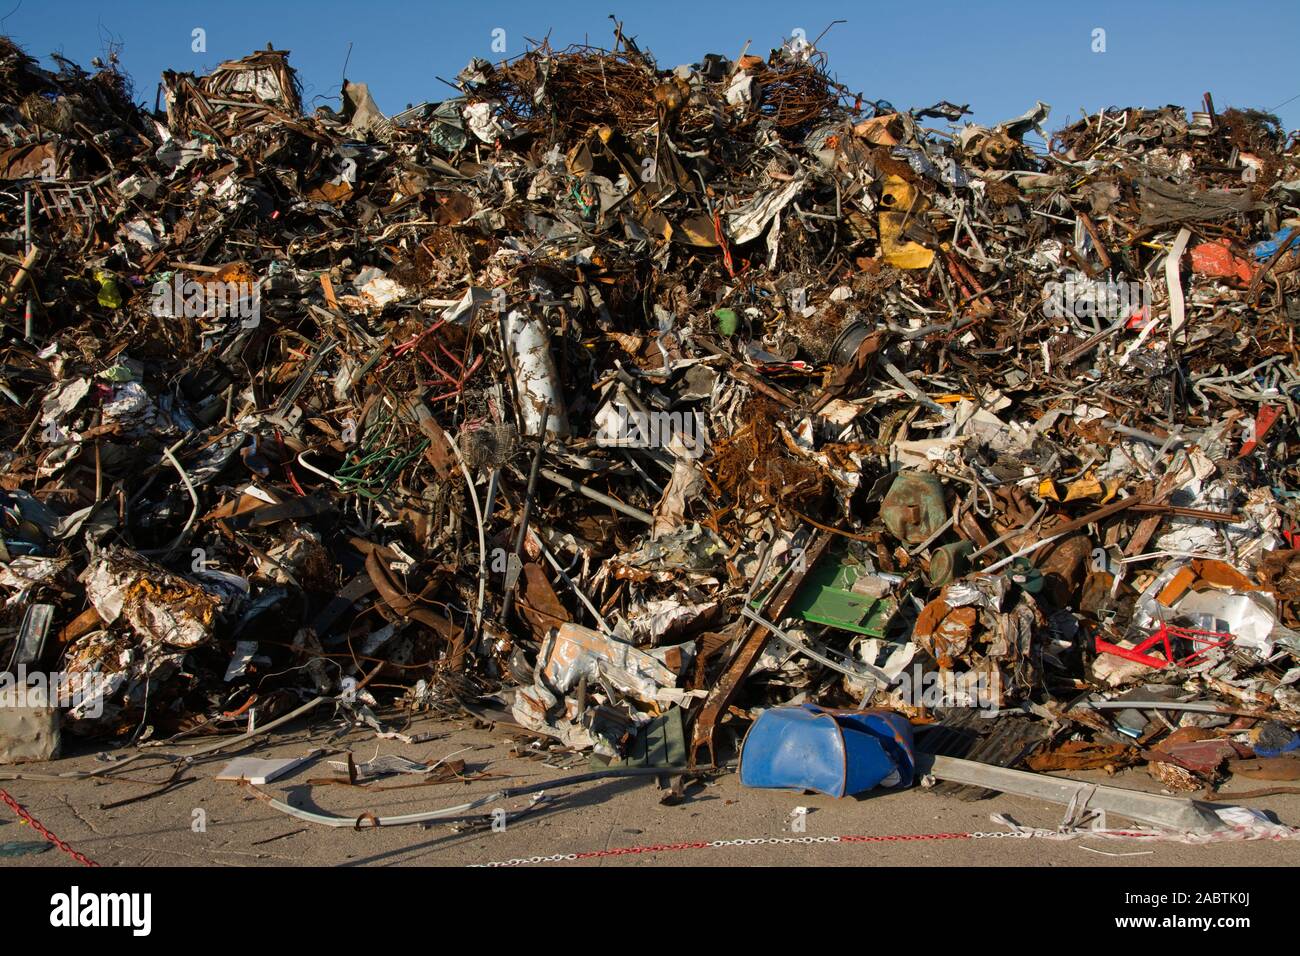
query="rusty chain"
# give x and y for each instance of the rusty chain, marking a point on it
(36, 825)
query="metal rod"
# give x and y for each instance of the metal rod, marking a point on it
(865, 671)
(614, 503)
(509, 600)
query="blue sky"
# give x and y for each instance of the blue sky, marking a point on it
(998, 56)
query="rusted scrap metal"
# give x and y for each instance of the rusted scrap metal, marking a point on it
(750, 645)
(255, 82)
(270, 383)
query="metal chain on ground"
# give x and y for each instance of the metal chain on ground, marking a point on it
(36, 825)
(758, 841)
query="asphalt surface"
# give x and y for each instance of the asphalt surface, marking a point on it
(204, 822)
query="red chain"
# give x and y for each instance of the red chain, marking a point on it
(35, 824)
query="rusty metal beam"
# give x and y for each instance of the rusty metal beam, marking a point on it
(1174, 813)
(719, 699)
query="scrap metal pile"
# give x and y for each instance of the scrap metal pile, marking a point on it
(618, 401)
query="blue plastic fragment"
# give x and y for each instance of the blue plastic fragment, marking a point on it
(835, 752)
(1265, 249)
(1292, 744)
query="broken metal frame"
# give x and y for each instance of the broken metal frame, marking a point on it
(742, 662)
(864, 672)
(1203, 641)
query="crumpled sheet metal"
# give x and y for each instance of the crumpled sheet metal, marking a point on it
(573, 652)
(29, 730)
(160, 606)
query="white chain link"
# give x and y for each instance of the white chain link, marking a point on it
(775, 841)
(526, 861)
(753, 841)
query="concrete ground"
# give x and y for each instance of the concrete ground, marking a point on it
(603, 815)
